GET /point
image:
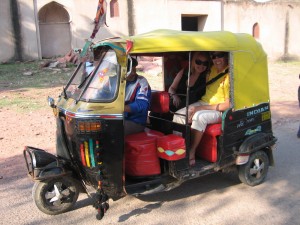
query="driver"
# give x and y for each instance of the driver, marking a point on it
(137, 101)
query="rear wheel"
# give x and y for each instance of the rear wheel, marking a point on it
(55, 196)
(255, 170)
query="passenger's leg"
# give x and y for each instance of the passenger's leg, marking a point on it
(199, 123)
(196, 138)
(181, 118)
(132, 128)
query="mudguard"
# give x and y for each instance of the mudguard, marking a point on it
(257, 142)
(42, 165)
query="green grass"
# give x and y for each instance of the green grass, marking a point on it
(25, 93)
(21, 104)
(12, 76)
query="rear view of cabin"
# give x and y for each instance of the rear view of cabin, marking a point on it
(245, 127)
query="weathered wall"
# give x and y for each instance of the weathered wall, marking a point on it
(273, 19)
(164, 14)
(18, 32)
(82, 14)
(135, 17)
(278, 22)
(6, 38)
(28, 30)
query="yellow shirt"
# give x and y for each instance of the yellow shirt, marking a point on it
(218, 91)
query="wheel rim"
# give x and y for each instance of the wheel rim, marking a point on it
(57, 194)
(257, 168)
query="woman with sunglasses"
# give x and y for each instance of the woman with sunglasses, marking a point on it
(199, 69)
(208, 110)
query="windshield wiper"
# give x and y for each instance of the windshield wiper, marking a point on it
(65, 93)
(84, 80)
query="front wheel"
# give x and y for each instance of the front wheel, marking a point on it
(255, 170)
(55, 196)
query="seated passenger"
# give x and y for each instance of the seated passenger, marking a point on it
(137, 101)
(199, 69)
(210, 107)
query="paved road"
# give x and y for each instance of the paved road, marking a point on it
(215, 199)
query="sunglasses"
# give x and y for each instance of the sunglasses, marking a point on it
(199, 62)
(218, 55)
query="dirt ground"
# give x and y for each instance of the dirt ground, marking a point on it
(208, 200)
(37, 128)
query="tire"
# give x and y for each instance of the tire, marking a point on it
(255, 170)
(55, 196)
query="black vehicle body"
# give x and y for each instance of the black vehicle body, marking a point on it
(93, 151)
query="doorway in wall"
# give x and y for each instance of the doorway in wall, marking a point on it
(193, 22)
(255, 31)
(55, 34)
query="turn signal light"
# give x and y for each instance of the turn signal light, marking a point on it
(89, 126)
(242, 159)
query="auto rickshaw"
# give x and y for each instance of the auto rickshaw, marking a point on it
(92, 151)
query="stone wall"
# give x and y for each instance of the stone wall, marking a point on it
(81, 13)
(7, 42)
(279, 25)
(278, 22)
(163, 14)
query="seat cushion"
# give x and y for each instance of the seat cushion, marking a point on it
(207, 149)
(160, 102)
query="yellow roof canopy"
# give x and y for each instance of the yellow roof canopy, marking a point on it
(248, 61)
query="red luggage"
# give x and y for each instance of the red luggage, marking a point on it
(140, 154)
(171, 147)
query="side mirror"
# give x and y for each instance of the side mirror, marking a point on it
(51, 102)
(129, 66)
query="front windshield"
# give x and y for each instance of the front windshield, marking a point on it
(96, 81)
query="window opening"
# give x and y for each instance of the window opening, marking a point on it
(193, 22)
(114, 8)
(255, 31)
